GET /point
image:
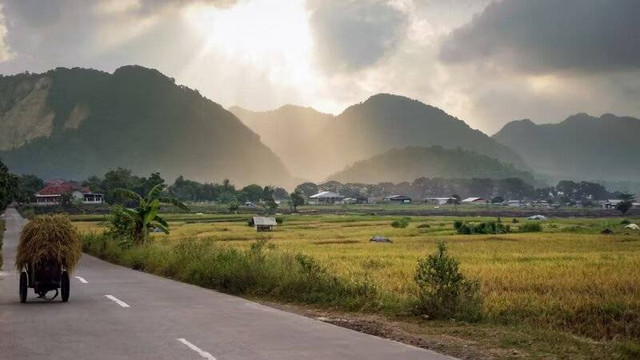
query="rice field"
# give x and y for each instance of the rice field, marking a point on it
(569, 277)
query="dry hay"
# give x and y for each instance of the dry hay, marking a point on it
(49, 238)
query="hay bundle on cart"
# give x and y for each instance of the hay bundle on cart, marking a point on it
(49, 250)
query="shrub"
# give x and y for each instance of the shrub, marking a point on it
(457, 224)
(625, 222)
(530, 227)
(489, 227)
(402, 223)
(515, 221)
(444, 292)
(119, 223)
(279, 220)
(423, 226)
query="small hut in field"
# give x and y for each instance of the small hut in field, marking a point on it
(264, 223)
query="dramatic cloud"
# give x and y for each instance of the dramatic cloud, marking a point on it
(486, 62)
(351, 35)
(549, 35)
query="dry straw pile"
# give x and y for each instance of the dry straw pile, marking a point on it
(49, 238)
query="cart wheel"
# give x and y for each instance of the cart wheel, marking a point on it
(64, 286)
(23, 287)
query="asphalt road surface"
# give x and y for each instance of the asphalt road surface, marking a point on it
(118, 313)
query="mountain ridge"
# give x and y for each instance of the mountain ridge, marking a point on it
(580, 147)
(380, 123)
(138, 118)
(410, 163)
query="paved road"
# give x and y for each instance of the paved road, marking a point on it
(118, 313)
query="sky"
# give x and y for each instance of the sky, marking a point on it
(486, 62)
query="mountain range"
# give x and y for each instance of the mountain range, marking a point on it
(74, 123)
(580, 147)
(381, 123)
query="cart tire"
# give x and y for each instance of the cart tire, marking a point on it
(23, 287)
(64, 286)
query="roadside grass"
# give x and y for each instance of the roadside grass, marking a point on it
(578, 285)
(260, 271)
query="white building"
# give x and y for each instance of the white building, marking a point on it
(52, 193)
(325, 197)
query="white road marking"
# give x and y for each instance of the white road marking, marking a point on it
(117, 301)
(82, 280)
(202, 353)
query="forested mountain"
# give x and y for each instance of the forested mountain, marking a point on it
(294, 133)
(73, 123)
(581, 147)
(381, 123)
(411, 163)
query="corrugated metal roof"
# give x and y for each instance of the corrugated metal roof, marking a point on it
(326, 195)
(264, 221)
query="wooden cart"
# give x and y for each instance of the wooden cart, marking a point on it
(44, 277)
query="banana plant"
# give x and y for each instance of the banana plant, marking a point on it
(145, 215)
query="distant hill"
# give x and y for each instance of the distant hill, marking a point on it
(381, 123)
(414, 162)
(294, 133)
(73, 123)
(581, 147)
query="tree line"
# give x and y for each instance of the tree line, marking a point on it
(566, 192)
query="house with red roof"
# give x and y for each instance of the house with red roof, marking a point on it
(52, 193)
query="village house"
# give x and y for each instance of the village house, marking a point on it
(610, 204)
(325, 197)
(400, 199)
(52, 193)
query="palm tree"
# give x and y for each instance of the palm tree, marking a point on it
(145, 215)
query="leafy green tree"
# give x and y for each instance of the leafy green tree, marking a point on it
(280, 193)
(8, 187)
(251, 193)
(95, 184)
(28, 186)
(145, 215)
(307, 189)
(119, 178)
(568, 188)
(66, 201)
(627, 202)
(146, 184)
(296, 200)
(267, 194)
(497, 200)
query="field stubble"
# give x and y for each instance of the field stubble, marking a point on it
(568, 278)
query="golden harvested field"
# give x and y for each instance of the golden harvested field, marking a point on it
(569, 275)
